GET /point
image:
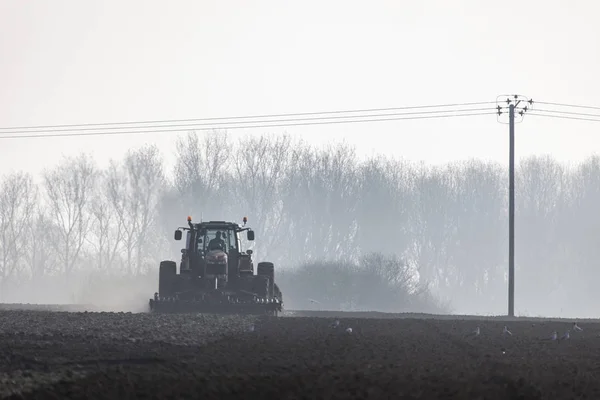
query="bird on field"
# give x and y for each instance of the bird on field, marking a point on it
(335, 324)
(348, 330)
(577, 327)
(506, 331)
(554, 336)
(314, 301)
(476, 332)
(566, 336)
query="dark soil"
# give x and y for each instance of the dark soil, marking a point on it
(119, 356)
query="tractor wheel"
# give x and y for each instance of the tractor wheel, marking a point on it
(267, 269)
(166, 276)
(261, 286)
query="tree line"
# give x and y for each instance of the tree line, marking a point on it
(446, 227)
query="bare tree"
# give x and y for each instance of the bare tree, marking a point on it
(135, 188)
(320, 193)
(296, 219)
(200, 171)
(540, 182)
(259, 167)
(385, 203)
(18, 198)
(41, 254)
(146, 173)
(122, 205)
(69, 188)
(577, 230)
(107, 231)
(432, 223)
(478, 247)
(334, 198)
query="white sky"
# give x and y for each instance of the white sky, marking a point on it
(83, 61)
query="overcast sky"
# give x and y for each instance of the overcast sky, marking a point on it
(83, 61)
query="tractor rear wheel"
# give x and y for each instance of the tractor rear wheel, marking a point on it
(267, 269)
(166, 275)
(261, 286)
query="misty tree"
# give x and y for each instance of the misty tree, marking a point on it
(385, 204)
(118, 193)
(69, 188)
(433, 225)
(334, 189)
(540, 182)
(295, 207)
(18, 197)
(320, 197)
(374, 281)
(134, 189)
(478, 248)
(106, 228)
(41, 254)
(577, 229)
(259, 166)
(201, 168)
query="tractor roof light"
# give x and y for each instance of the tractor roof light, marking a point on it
(189, 219)
(245, 219)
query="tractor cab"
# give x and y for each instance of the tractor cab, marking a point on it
(214, 250)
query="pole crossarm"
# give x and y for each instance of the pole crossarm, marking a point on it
(521, 104)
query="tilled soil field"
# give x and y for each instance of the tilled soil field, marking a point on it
(120, 355)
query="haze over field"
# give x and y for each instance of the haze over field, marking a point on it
(412, 210)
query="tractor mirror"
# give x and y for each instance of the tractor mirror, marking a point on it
(250, 235)
(177, 234)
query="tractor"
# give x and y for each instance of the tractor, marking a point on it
(216, 275)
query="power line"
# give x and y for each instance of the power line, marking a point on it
(222, 124)
(251, 116)
(564, 117)
(247, 126)
(567, 105)
(569, 113)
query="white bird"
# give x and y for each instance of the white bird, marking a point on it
(476, 332)
(577, 327)
(348, 330)
(566, 336)
(506, 331)
(554, 336)
(335, 324)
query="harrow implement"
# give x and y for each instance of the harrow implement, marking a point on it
(229, 305)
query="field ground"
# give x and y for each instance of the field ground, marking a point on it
(101, 355)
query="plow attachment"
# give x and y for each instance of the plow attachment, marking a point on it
(230, 306)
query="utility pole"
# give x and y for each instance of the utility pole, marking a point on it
(512, 103)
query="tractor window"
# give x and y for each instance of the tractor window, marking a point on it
(227, 236)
